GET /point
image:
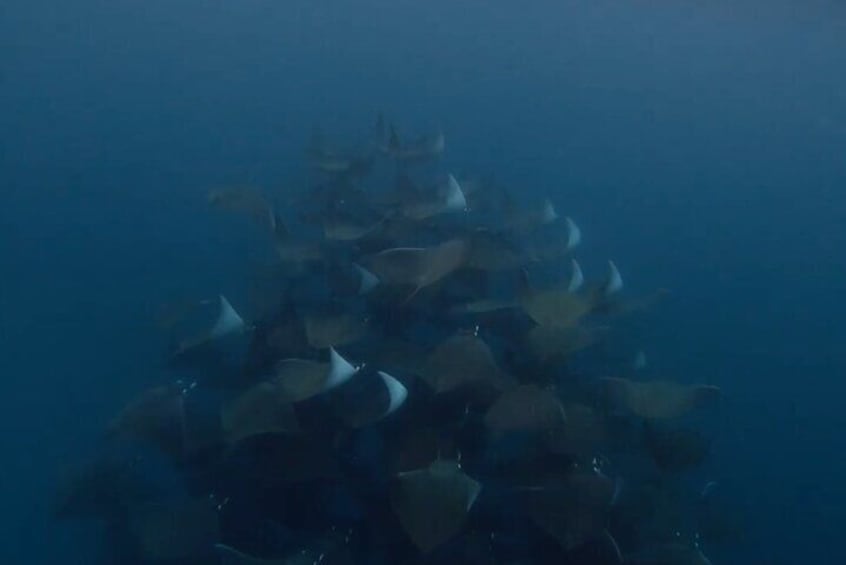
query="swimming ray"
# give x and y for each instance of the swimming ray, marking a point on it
(554, 307)
(228, 320)
(584, 433)
(284, 336)
(548, 212)
(339, 228)
(464, 362)
(261, 409)
(156, 416)
(614, 283)
(301, 379)
(324, 332)
(559, 342)
(246, 200)
(523, 221)
(346, 280)
(269, 287)
(556, 246)
(577, 277)
(228, 323)
(270, 461)
(313, 449)
(423, 149)
(372, 398)
(526, 408)
(417, 267)
(491, 251)
(368, 281)
(342, 166)
(660, 400)
(340, 371)
(448, 198)
(455, 201)
(574, 233)
(418, 446)
(394, 354)
(397, 393)
(432, 504)
(290, 250)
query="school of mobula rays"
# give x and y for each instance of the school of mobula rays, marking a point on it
(405, 391)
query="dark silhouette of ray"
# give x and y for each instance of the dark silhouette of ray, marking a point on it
(432, 503)
(262, 409)
(526, 408)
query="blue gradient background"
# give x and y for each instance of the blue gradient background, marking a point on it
(702, 147)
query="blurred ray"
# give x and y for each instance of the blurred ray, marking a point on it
(660, 399)
(526, 407)
(432, 503)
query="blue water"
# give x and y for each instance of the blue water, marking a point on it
(702, 148)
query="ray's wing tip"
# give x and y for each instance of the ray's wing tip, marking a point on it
(574, 233)
(397, 392)
(455, 198)
(577, 277)
(614, 283)
(340, 370)
(549, 214)
(228, 320)
(368, 281)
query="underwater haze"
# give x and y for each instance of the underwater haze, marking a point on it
(700, 145)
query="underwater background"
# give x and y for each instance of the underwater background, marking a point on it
(702, 147)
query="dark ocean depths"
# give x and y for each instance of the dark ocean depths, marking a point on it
(703, 147)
